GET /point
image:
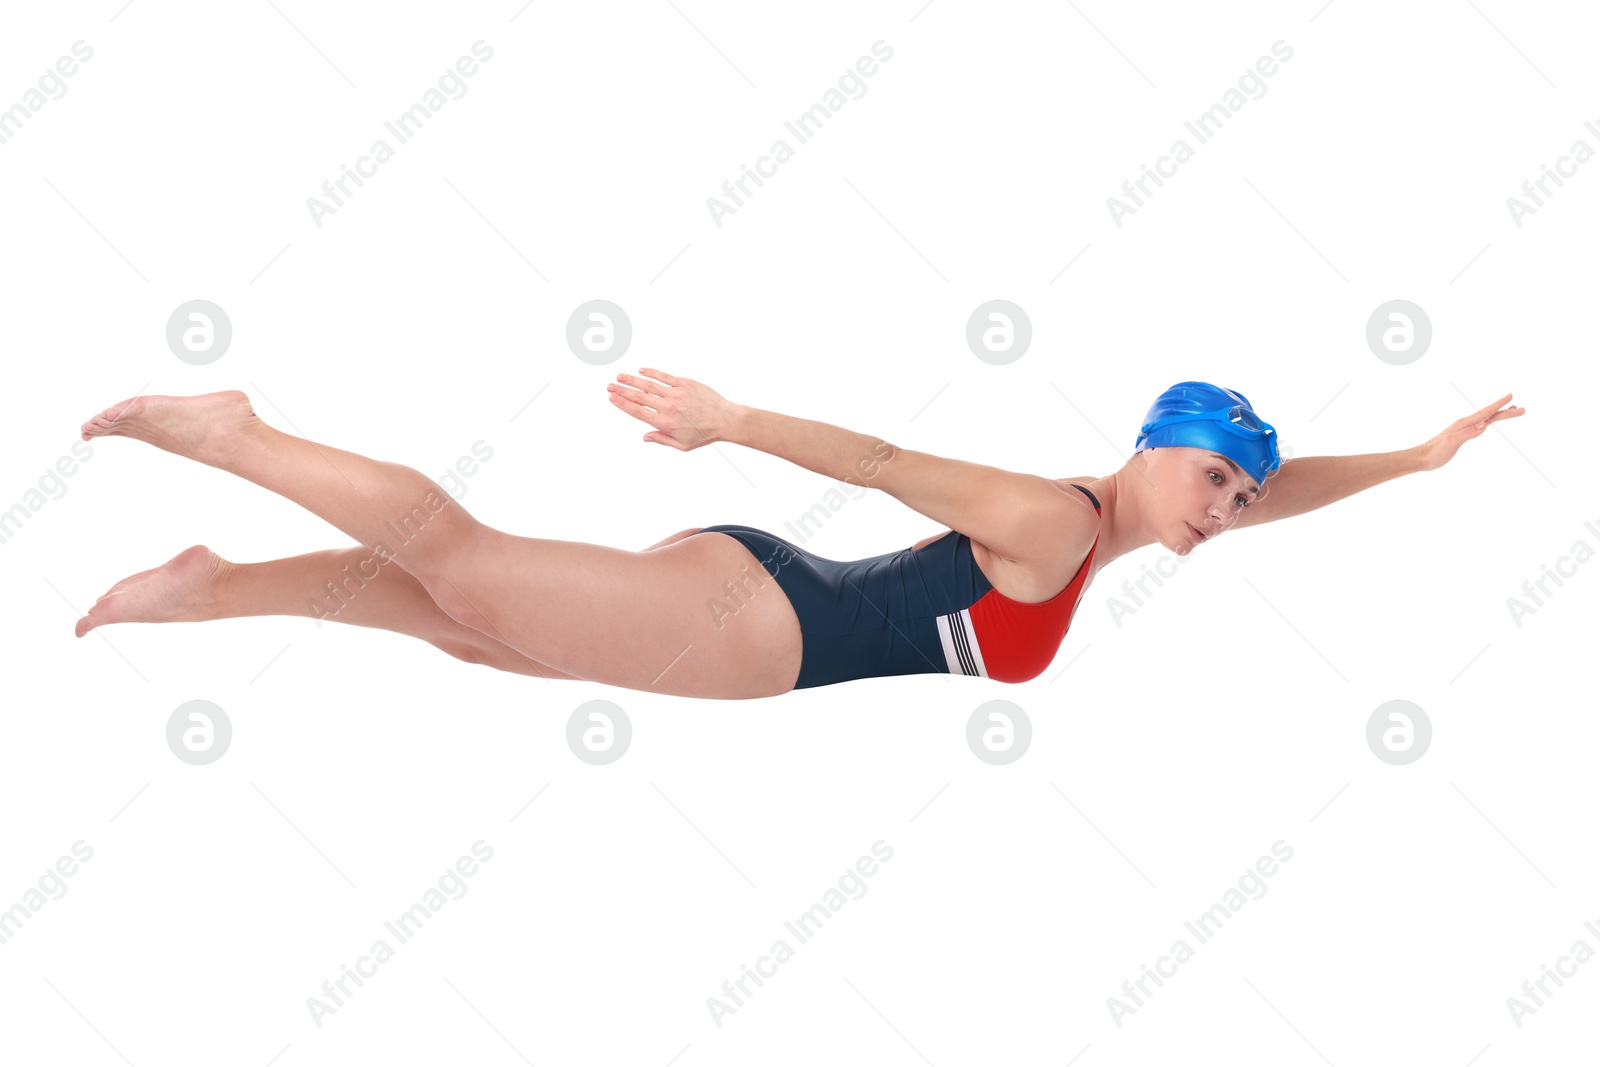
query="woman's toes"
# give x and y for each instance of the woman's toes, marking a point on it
(105, 422)
(104, 610)
(177, 590)
(204, 428)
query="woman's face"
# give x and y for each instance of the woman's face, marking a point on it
(1199, 494)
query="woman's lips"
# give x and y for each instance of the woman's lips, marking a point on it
(1198, 536)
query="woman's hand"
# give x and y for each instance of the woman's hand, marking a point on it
(1439, 451)
(685, 413)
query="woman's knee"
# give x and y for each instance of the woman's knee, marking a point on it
(461, 650)
(424, 537)
(457, 605)
(452, 573)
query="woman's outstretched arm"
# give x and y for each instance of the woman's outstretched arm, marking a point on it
(1019, 516)
(1306, 483)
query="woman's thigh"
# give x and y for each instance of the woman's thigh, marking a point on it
(696, 617)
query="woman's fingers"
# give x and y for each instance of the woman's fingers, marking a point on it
(660, 375)
(645, 414)
(685, 413)
(660, 386)
(643, 384)
(1495, 412)
(637, 410)
(638, 396)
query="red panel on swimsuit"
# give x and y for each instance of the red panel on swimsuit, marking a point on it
(1019, 640)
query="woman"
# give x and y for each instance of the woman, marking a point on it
(728, 611)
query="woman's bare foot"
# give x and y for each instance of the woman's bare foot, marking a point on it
(202, 428)
(177, 591)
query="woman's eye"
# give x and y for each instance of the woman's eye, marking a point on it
(1243, 502)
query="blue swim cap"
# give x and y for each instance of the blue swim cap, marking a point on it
(1202, 415)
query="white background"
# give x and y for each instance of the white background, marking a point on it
(1177, 747)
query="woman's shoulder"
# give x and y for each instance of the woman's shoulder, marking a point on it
(1034, 582)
